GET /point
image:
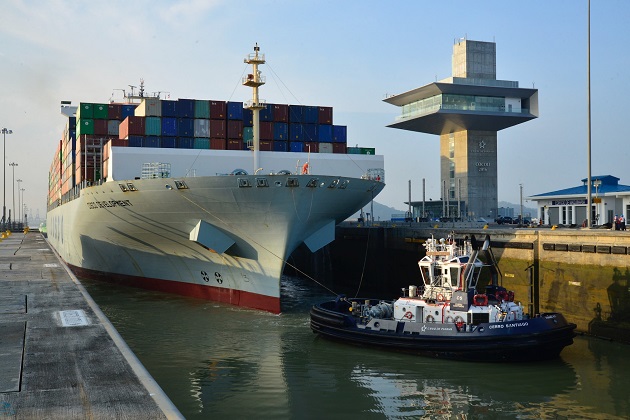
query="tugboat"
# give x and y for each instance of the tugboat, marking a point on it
(447, 316)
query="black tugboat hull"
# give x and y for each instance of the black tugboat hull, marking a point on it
(532, 339)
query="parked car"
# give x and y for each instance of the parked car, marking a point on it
(504, 220)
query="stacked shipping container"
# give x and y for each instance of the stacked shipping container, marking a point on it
(185, 123)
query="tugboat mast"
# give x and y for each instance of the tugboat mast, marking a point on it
(254, 80)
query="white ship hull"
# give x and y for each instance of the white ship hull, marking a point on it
(223, 238)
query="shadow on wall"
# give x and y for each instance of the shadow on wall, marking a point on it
(616, 323)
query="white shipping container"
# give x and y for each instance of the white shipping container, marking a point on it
(149, 107)
(325, 147)
(202, 128)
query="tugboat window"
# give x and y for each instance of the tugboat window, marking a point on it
(181, 185)
(243, 183)
(292, 182)
(123, 187)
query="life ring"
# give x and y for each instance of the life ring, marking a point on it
(408, 315)
(458, 320)
(440, 297)
(502, 295)
(429, 318)
(480, 300)
(510, 296)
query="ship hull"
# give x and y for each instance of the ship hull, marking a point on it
(222, 238)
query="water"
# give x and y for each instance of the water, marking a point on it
(215, 361)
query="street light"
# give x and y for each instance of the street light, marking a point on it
(13, 164)
(19, 219)
(23, 205)
(5, 131)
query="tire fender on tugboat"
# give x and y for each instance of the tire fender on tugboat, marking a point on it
(480, 300)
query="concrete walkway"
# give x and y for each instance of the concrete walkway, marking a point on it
(60, 358)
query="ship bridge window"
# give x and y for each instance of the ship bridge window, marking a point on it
(123, 187)
(131, 187)
(262, 182)
(292, 182)
(344, 184)
(243, 183)
(333, 184)
(312, 183)
(181, 185)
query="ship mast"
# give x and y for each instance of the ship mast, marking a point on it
(254, 80)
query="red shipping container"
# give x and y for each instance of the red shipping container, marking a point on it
(266, 130)
(218, 110)
(119, 142)
(235, 129)
(235, 144)
(100, 127)
(114, 111)
(217, 129)
(218, 144)
(266, 145)
(325, 115)
(311, 146)
(281, 113)
(339, 147)
(131, 126)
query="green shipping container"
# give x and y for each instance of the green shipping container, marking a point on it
(248, 133)
(152, 126)
(367, 150)
(100, 111)
(85, 126)
(202, 109)
(201, 143)
(85, 110)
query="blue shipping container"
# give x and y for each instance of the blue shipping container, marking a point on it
(169, 108)
(128, 110)
(186, 108)
(169, 126)
(135, 141)
(266, 114)
(281, 146)
(185, 127)
(340, 134)
(296, 146)
(296, 113)
(310, 132)
(235, 110)
(324, 133)
(151, 141)
(248, 117)
(185, 143)
(280, 131)
(296, 132)
(168, 142)
(310, 115)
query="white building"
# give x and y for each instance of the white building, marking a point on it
(568, 206)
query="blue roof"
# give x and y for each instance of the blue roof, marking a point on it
(609, 184)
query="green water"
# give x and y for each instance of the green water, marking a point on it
(219, 361)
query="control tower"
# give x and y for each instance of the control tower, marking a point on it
(466, 111)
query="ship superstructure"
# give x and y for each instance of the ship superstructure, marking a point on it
(200, 197)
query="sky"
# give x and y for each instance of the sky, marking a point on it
(346, 54)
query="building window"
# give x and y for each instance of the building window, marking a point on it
(570, 215)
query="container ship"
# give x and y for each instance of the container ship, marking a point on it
(203, 198)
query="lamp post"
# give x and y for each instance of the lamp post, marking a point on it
(5, 131)
(19, 219)
(13, 165)
(23, 206)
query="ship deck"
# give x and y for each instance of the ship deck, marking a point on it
(59, 355)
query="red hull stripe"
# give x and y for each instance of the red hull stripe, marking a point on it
(216, 294)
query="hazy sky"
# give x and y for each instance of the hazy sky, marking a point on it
(344, 54)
